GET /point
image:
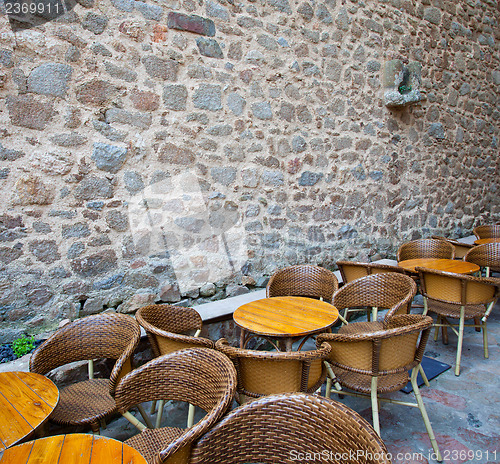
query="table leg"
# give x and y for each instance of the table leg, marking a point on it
(242, 338)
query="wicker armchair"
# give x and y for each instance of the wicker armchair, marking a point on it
(263, 373)
(486, 256)
(426, 248)
(487, 231)
(110, 335)
(352, 270)
(461, 297)
(461, 248)
(199, 376)
(379, 362)
(303, 280)
(167, 327)
(392, 291)
(284, 428)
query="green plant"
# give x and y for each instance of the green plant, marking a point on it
(23, 345)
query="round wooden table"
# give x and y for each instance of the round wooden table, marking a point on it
(448, 265)
(482, 241)
(76, 448)
(26, 401)
(284, 317)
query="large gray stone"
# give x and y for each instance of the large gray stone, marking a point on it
(160, 69)
(133, 182)
(50, 79)
(149, 11)
(108, 158)
(117, 220)
(281, 5)
(175, 97)
(120, 72)
(215, 10)
(236, 103)
(118, 115)
(224, 176)
(209, 47)
(72, 139)
(436, 131)
(93, 188)
(208, 97)
(95, 23)
(7, 154)
(262, 110)
(309, 178)
(95, 264)
(78, 230)
(433, 15)
(45, 251)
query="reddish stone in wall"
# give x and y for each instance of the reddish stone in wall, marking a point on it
(192, 23)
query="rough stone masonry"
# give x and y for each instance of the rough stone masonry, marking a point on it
(185, 149)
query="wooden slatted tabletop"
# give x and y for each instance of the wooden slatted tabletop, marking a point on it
(285, 317)
(482, 241)
(448, 265)
(77, 448)
(26, 401)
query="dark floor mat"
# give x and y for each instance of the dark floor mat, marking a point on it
(432, 369)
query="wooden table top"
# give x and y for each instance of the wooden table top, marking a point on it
(76, 448)
(448, 265)
(482, 241)
(26, 401)
(285, 316)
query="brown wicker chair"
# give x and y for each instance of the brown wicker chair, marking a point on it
(352, 270)
(263, 373)
(291, 428)
(199, 376)
(110, 335)
(426, 248)
(392, 291)
(167, 327)
(461, 297)
(486, 256)
(379, 362)
(487, 231)
(461, 248)
(303, 280)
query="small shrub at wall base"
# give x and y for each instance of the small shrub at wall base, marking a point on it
(23, 346)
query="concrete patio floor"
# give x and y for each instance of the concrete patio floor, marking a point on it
(464, 411)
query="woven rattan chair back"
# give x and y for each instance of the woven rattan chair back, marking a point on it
(487, 231)
(303, 280)
(110, 335)
(263, 373)
(285, 428)
(461, 248)
(462, 297)
(392, 291)
(426, 248)
(352, 270)
(167, 327)
(486, 255)
(394, 349)
(458, 289)
(200, 376)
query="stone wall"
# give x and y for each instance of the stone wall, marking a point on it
(152, 149)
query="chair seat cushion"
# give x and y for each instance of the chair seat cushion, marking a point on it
(361, 327)
(84, 402)
(362, 383)
(151, 441)
(453, 310)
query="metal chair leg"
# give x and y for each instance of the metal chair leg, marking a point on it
(424, 377)
(460, 339)
(374, 398)
(485, 339)
(423, 411)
